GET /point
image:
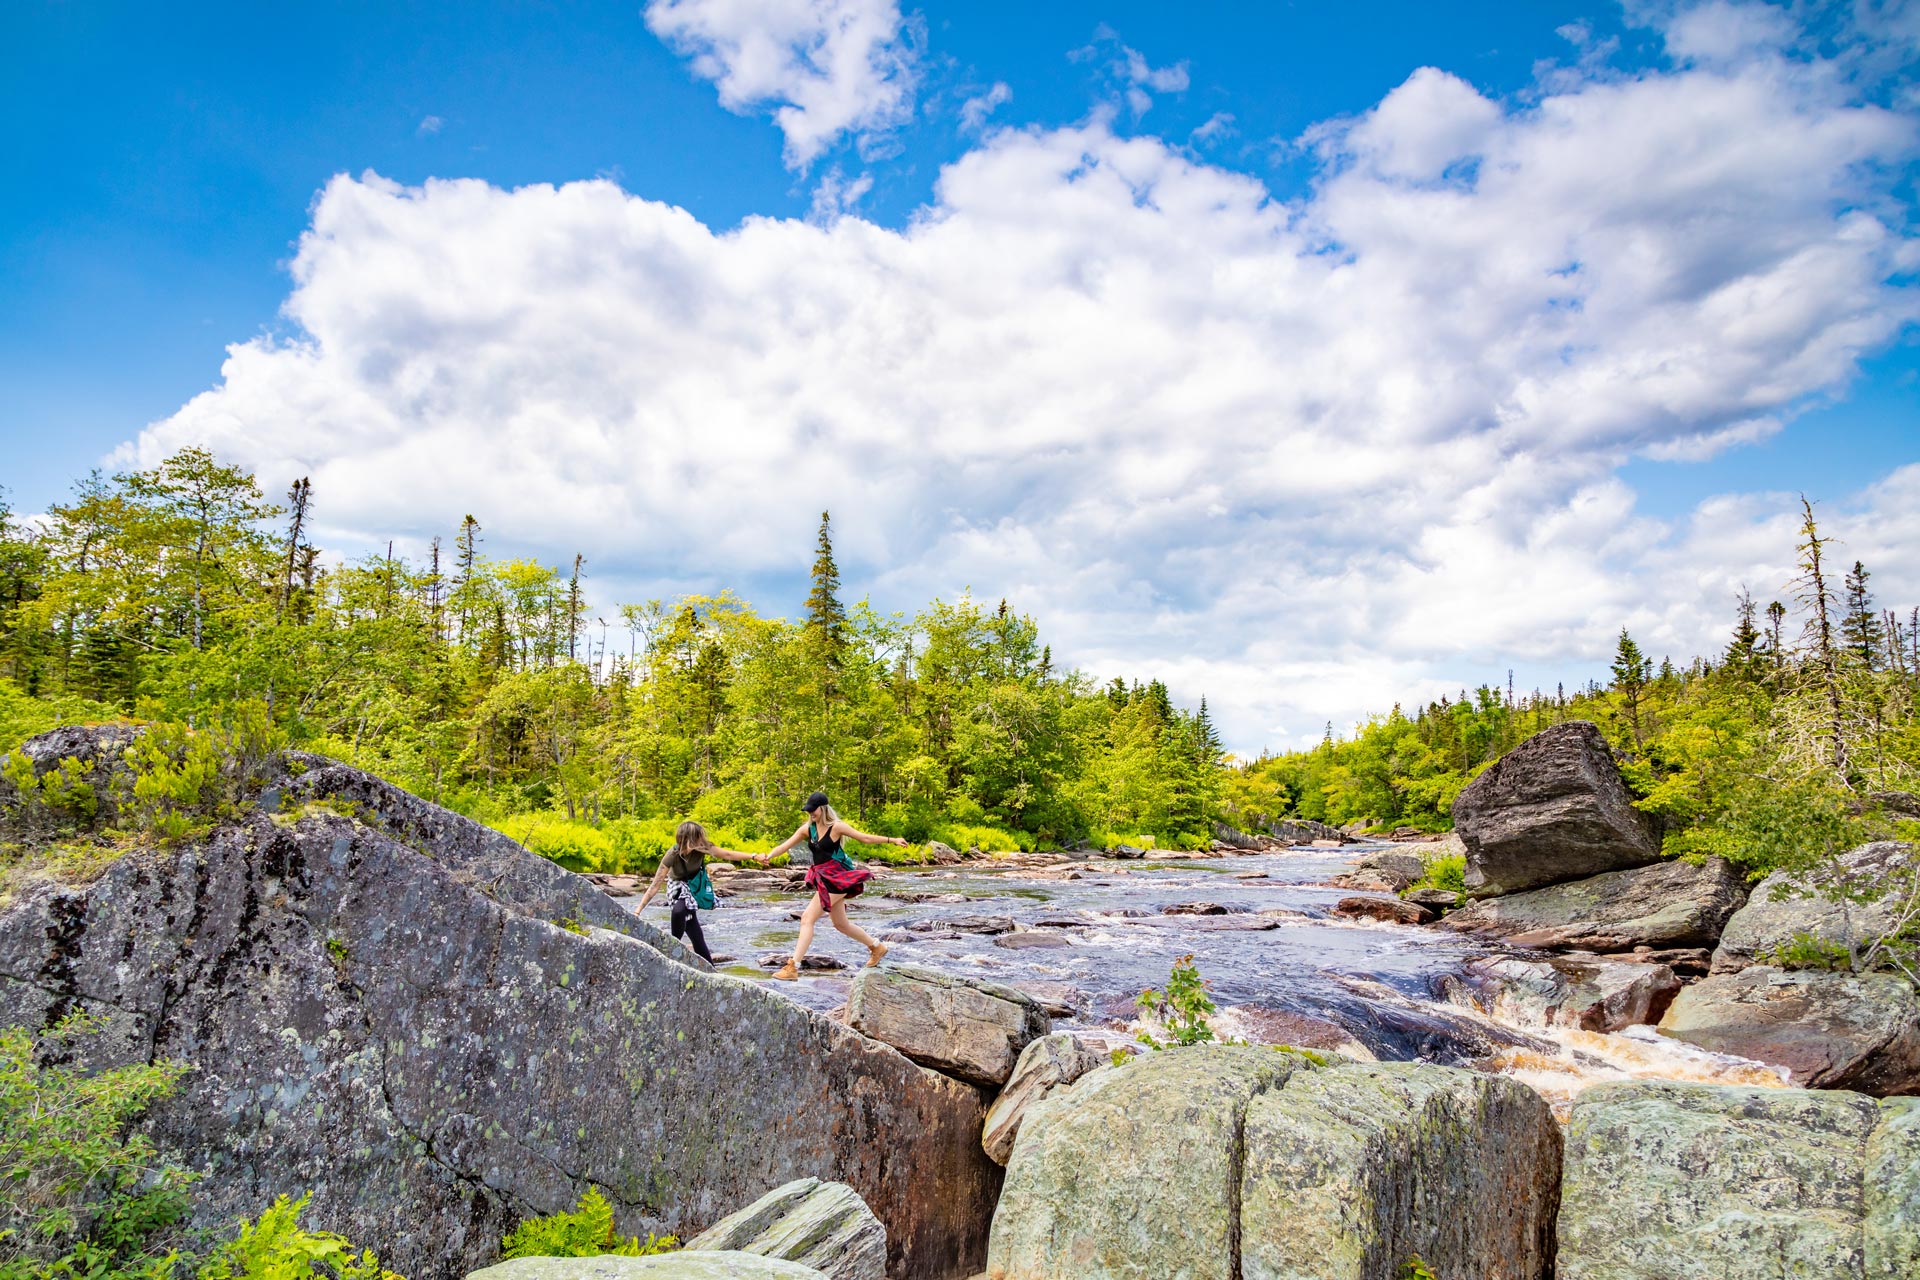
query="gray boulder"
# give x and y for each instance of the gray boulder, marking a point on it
(1582, 992)
(1665, 905)
(965, 1027)
(1047, 1064)
(823, 1225)
(387, 1009)
(1783, 907)
(1672, 1181)
(1222, 1161)
(1829, 1030)
(1396, 866)
(1552, 809)
(683, 1265)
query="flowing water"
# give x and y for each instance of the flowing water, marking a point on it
(1088, 937)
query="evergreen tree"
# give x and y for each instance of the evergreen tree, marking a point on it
(1815, 593)
(1743, 651)
(1631, 670)
(1861, 630)
(826, 616)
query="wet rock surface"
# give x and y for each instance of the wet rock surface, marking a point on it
(1665, 905)
(966, 1027)
(1552, 809)
(385, 1009)
(1586, 993)
(1671, 1181)
(822, 1225)
(1828, 1030)
(1391, 910)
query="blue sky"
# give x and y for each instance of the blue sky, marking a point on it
(1291, 516)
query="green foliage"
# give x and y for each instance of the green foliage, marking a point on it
(1444, 871)
(1121, 1056)
(1415, 1269)
(61, 799)
(84, 1195)
(184, 779)
(1182, 1009)
(277, 1247)
(584, 1233)
(1308, 1055)
(1805, 951)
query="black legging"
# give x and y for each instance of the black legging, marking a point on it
(686, 921)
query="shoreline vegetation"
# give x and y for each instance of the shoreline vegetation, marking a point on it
(180, 595)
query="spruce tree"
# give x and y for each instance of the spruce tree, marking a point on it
(1818, 597)
(1861, 630)
(826, 617)
(1743, 651)
(298, 499)
(1631, 669)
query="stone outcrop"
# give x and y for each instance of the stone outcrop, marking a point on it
(1220, 1161)
(1829, 1030)
(439, 1033)
(1047, 1064)
(1671, 1181)
(1665, 905)
(1304, 831)
(1552, 809)
(1785, 907)
(1582, 992)
(665, 1266)
(965, 1027)
(823, 1225)
(1386, 910)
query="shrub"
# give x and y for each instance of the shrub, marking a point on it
(585, 1233)
(1804, 951)
(1182, 1009)
(1444, 871)
(84, 1196)
(277, 1247)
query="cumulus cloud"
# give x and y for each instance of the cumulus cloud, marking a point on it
(826, 68)
(975, 110)
(1301, 456)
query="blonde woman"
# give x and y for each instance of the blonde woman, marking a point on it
(684, 871)
(832, 877)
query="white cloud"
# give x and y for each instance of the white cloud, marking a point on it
(975, 110)
(1301, 457)
(429, 125)
(827, 68)
(1130, 71)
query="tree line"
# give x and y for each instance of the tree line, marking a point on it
(181, 593)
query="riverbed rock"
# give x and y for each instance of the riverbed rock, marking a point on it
(1439, 899)
(1049, 1063)
(1667, 904)
(1586, 993)
(965, 1027)
(1031, 940)
(822, 1225)
(1390, 910)
(681, 1265)
(971, 923)
(1218, 1161)
(1396, 866)
(1678, 1181)
(385, 1009)
(1829, 1030)
(1783, 907)
(1553, 809)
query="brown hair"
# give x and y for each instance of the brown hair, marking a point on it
(689, 836)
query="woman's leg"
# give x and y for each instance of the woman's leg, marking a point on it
(807, 920)
(687, 920)
(838, 913)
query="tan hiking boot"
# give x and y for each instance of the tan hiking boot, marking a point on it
(876, 953)
(786, 973)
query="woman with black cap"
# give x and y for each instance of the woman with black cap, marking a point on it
(832, 877)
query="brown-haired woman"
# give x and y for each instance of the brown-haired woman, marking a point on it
(832, 877)
(684, 871)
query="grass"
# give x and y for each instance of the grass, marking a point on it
(1444, 871)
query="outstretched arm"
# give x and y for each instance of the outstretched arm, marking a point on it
(659, 878)
(735, 855)
(789, 842)
(846, 832)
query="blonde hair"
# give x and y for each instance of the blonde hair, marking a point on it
(689, 836)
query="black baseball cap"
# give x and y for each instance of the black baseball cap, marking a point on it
(814, 801)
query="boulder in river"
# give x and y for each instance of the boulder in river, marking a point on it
(1829, 1030)
(1554, 808)
(823, 1225)
(1667, 904)
(1219, 1161)
(1583, 992)
(1784, 908)
(1675, 1181)
(1047, 1064)
(681, 1265)
(1390, 910)
(965, 1027)
(422, 1023)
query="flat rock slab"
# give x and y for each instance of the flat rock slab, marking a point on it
(1667, 904)
(1783, 907)
(965, 1027)
(683, 1265)
(1049, 1063)
(1388, 910)
(1673, 1181)
(1554, 808)
(823, 1225)
(1217, 1162)
(1829, 1030)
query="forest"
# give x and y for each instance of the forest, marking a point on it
(183, 594)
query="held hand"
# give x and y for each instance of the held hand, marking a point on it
(901, 841)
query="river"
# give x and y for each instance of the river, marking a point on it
(1087, 937)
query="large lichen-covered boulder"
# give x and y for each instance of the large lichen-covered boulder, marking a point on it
(1223, 1161)
(1786, 907)
(1582, 992)
(1554, 808)
(1675, 1181)
(439, 1033)
(665, 1266)
(1828, 1030)
(1667, 904)
(966, 1027)
(823, 1225)
(1049, 1063)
